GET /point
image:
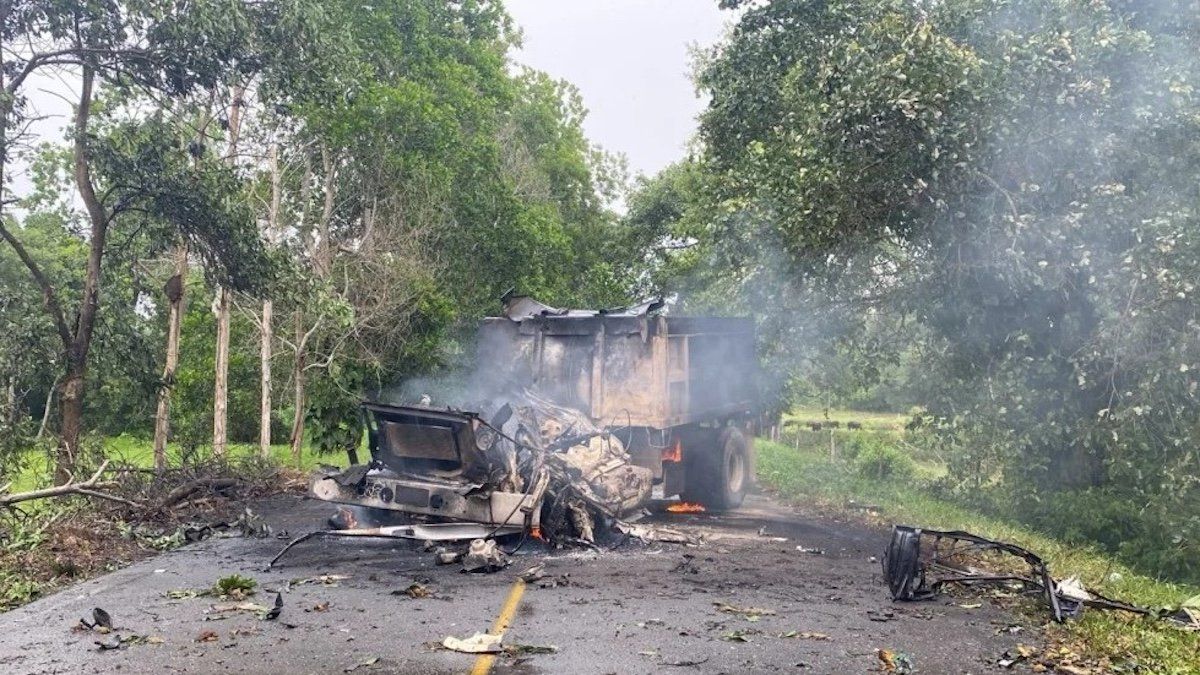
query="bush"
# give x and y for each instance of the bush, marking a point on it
(879, 461)
(1149, 536)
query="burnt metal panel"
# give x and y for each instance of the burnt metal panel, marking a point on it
(628, 369)
(420, 441)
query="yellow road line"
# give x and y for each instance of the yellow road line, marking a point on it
(508, 611)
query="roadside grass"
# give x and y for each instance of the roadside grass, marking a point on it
(881, 421)
(805, 472)
(36, 469)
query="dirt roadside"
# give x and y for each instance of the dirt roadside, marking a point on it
(637, 609)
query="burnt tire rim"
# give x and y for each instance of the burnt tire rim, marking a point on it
(735, 470)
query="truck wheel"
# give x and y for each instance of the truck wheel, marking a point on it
(717, 476)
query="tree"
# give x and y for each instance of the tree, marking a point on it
(161, 48)
(1017, 178)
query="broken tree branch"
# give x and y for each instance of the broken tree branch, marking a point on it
(89, 488)
(190, 488)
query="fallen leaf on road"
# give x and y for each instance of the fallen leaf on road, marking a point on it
(479, 643)
(804, 635)
(893, 662)
(207, 636)
(971, 605)
(414, 590)
(739, 635)
(323, 579)
(320, 607)
(238, 607)
(878, 615)
(744, 611)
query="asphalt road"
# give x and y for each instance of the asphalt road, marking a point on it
(635, 609)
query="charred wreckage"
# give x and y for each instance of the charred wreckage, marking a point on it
(574, 417)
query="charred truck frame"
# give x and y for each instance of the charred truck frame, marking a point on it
(608, 402)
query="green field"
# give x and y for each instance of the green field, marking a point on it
(804, 472)
(879, 421)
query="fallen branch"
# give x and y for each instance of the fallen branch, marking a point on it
(90, 488)
(189, 489)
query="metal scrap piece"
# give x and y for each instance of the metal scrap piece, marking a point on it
(484, 556)
(918, 562)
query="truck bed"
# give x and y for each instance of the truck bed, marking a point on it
(631, 368)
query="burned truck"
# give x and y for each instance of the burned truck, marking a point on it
(575, 417)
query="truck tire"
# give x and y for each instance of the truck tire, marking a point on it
(718, 475)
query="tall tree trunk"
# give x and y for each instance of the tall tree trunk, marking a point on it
(264, 424)
(300, 399)
(74, 382)
(174, 291)
(221, 379)
(70, 398)
(224, 299)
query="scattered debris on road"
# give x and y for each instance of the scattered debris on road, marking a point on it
(535, 573)
(918, 563)
(751, 613)
(321, 579)
(666, 535)
(484, 556)
(415, 590)
(895, 662)
(479, 643)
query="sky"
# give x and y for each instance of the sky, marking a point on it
(630, 60)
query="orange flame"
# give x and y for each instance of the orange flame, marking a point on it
(686, 507)
(675, 454)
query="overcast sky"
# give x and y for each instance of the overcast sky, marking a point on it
(631, 62)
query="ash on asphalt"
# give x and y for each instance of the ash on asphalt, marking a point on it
(640, 608)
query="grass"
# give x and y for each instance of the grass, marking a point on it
(807, 473)
(136, 451)
(880, 421)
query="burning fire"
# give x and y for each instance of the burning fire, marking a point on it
(675, 453)
(686, 507)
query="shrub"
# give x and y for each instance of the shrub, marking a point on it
(879, 460)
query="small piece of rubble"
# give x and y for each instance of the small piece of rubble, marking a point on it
(479, 643)
(484, 556)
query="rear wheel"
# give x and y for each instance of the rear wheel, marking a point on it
(719, 470)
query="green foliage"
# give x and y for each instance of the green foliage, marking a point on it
(149, 175)
(990, 202)
(876, 456)
(234, 585)
(17, 590)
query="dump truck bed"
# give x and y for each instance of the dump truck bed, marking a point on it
(631, 368)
